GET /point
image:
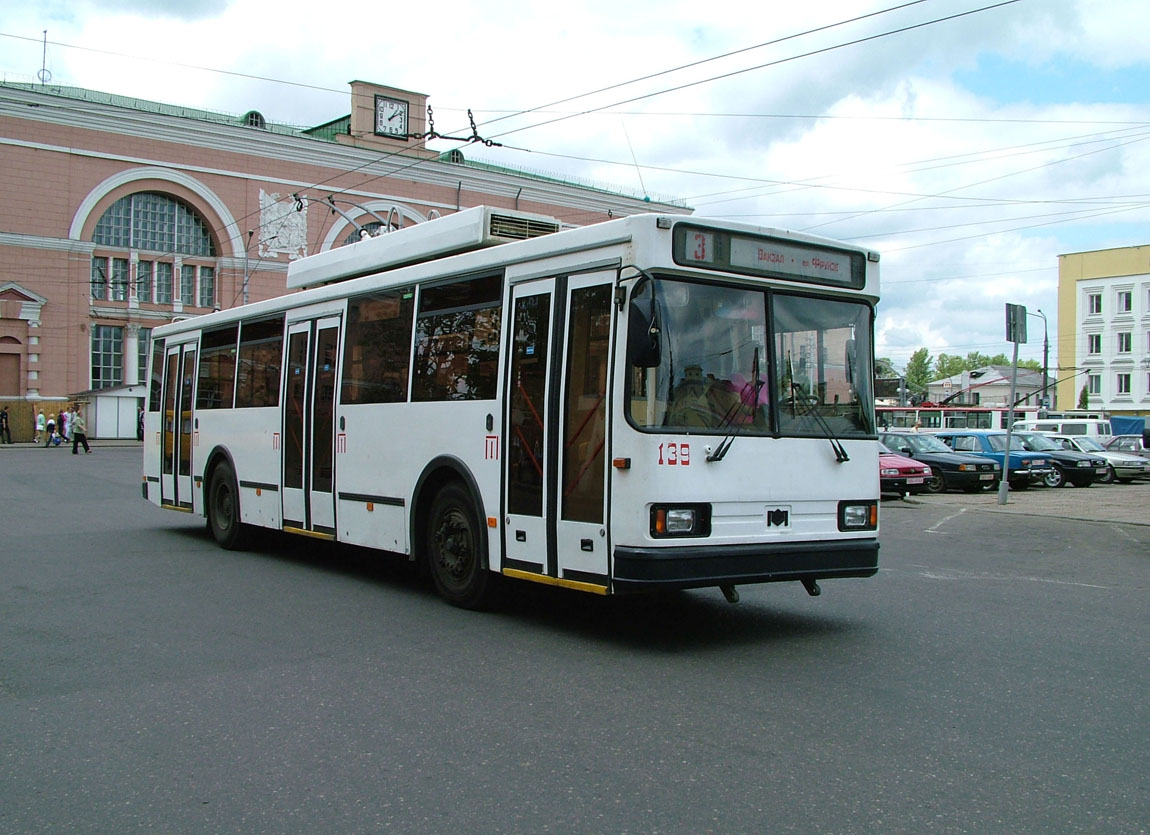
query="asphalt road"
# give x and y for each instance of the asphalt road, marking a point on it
(991, 678)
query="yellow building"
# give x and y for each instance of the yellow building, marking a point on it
(1104, 323)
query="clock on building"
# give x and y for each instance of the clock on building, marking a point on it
(390, 117)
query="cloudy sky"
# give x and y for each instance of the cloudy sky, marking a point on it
(969, 141)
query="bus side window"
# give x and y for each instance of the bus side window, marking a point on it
(457, 341)
(378, 347)
(258, 367)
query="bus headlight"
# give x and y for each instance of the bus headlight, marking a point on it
(858, 516)
(680, 520)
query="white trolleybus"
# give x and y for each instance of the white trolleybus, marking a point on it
(647, 403)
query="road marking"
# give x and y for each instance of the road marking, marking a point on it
(951, 574)
(934, 528)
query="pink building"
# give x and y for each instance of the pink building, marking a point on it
(119, 215)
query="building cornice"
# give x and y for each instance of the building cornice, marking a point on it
(260, 145)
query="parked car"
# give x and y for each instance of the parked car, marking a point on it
(1133, 444)
(899, 474)
(948, 469)
(1070, 466)
(1024, 468)
(1120, 466)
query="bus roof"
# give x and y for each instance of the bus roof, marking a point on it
(483, 256)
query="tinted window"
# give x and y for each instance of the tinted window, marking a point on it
(457, 341)
(217, 374)
(375, 360)
(258, 368)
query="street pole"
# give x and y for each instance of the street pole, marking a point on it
(1016, 333)
(1004, 485)
(1045, 359)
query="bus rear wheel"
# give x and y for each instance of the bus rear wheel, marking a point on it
(223, 506)
(455, 550)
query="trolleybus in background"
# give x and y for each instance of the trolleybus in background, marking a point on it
(950, 417)
(647, 403)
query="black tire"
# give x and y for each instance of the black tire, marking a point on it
(456, 550)
(223, 508)
(1109, 478)
(1055, 478)
(936, 483)
(1020, 484)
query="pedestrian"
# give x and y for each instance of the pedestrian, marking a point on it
(50, 432)
(5, 432)
(63, 422)
(39, 426)
(140, 424)
(79, 433)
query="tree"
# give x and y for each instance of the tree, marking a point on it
(884, 367)
(1084, 399)
(918, 370)
(946, 365)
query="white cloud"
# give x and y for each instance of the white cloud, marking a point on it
(910, 176)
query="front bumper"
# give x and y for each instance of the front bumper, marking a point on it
(971, 478)
(699, 566)
(913, 484)
(1032, 474)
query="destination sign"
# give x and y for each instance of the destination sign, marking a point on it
(718, 249)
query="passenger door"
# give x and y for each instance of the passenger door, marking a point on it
(178, 431)
(311, 372)
(557, 407)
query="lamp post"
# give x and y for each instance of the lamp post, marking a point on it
(1045, 357)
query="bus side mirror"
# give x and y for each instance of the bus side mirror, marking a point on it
(643, 348)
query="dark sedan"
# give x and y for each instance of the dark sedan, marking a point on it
(948, 469)
(1070, 467)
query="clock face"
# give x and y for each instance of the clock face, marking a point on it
(390, 117)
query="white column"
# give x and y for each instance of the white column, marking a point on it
(131, 354)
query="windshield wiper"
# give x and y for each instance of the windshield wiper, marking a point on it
(811, 409)
(736, 411)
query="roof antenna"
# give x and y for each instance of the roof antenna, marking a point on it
(45, 75)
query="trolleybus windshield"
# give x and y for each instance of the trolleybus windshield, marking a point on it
(817, 377)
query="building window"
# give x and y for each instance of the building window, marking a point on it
(188, 285)
(1094, 343)
(107, 356)
(1125, 301)
(152, 221)
(163, 282)
(1123, 381)
(1125, 342)
(144, 270)
(144, 347)
(1094, 383)
(1094, 304)
(99, 278)
(120, 280)
(207, 287)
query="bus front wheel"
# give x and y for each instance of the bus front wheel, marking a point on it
(223, 506)
(455, 550)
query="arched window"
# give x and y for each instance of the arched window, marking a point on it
(175, 253)
(152, 221)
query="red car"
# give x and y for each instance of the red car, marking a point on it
(899, 474)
